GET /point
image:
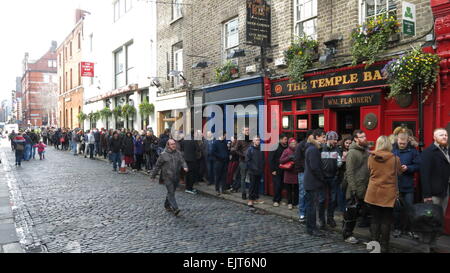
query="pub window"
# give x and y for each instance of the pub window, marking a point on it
(317, 121)
(372, 8)
(305, 18)
(302, 122)
(288, 123)
(287, 106)
(301, 105)
(316, 103)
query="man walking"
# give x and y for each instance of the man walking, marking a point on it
(356, 180)
(314, 180)
(170, 163)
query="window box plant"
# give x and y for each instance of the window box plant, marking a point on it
(227, 72)
(299, 57)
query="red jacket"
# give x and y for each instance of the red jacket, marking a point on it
(290, 176)
(41, 147)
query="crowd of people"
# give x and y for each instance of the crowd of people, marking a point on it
(324, 172)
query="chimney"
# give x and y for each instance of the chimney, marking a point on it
(80, 14)
(54, 46)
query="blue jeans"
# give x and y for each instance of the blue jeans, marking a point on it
(331, 190)
(27, 152)
(33, 153)
(302, 205)
(74, 148)
(116, 159)
(311, 199)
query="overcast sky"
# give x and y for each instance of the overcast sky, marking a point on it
(30, 26)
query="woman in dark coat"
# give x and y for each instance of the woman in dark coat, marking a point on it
(128, 149)
(138, 152)
(290, 176)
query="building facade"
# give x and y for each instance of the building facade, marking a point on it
(38, 85)
(123, 48)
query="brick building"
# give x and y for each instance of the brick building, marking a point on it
(38, 85)
(70, 87)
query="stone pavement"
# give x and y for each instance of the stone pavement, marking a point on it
(71, 204)
(9, 241)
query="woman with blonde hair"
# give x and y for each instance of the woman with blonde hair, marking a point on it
(382, 191)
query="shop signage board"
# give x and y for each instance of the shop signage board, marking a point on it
(87, 69)
(409, 18)
(347, 101)
(258, 24)
(335, 81)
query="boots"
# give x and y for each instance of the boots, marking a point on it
(385, 236)
(375, 230)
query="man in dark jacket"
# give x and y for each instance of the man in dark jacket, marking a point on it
(314, 179)
(34, 140)
(331, 162)
(150, 147)
(277, 173)
(114, 147)
(410, 158)
(170, 163)
(435, 170)
(97, 142)
(240, 149)
(254, 159)
(189, 150)
(220, 155)
(299, 159)
(356, 179)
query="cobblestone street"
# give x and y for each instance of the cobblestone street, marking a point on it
(73, 204)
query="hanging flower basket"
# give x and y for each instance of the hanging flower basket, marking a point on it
(146, 108)
(372, 38)
(227, 72)
(105, 113)
(299, 57)
(128, 111)
(117, 112)
(415, 67)
(82, 117)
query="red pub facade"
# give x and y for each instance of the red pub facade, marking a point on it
(352, 97)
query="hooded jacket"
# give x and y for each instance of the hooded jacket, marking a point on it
(356, 173)
(384, 168)
(331, 161)
(170, 164)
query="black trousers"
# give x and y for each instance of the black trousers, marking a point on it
(190, 176)
(351, 214)
(277, 181)
(220, 174)
(292, 194)
(138, 163)
(380, 227)
(254, 187)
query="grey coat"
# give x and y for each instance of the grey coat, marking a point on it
(170, 164)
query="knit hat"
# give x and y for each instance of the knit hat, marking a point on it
(292, 139)
(332, 135)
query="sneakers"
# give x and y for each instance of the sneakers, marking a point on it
(176, 212)
(289, 206)
(351, 240)
(276, 204)
(413, 235)
(302, 219)
(258, 202)
(396, 233)
(191, 191)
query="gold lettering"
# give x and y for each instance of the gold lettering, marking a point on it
(338, 80)
(321, 83)
(354, 78)
(377, 75)
(290, 87)
(314, 82)
(367, 76)
(345, 80)
(304, 86)
(329, 81)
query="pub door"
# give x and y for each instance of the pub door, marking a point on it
(347, 120)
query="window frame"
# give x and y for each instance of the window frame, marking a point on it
(118, 58)
(226, 48)
(127, 64)
(177, 65)
(116, 10)
(362, 10)
(314, 17)
(177, 9)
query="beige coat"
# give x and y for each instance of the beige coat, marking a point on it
(384, 167)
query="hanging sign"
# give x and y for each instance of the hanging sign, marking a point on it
(409, 18)
(258, 26)
(87, 69)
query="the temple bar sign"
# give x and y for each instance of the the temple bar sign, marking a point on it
(340, 80)
(258, 26)
(352, 100)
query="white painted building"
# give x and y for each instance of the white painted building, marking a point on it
(120, 39)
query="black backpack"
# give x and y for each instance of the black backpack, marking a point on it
(426, 218)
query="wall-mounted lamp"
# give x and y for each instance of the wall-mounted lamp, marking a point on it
(236, 53)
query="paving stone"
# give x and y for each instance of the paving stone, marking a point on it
(13, 248)
(8, 234)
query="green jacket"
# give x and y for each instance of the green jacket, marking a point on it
(357, 174)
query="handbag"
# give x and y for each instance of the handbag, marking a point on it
(287, 166)
(61, 140)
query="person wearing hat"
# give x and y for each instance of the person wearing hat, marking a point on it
(331, 162)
